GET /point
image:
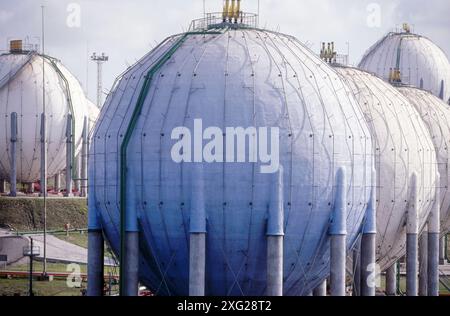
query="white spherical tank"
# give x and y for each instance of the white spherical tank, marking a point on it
(21, 91)
(436, 115)
(237, 78)
(402, 146)
(421, 62)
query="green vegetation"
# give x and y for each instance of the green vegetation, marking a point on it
(26, 214)
(19, 287)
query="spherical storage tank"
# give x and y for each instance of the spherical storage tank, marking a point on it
(436, 115)
(21, 92)
(230, 77)
(402, 146)
(421, 62)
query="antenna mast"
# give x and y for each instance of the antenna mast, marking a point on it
(100, 60)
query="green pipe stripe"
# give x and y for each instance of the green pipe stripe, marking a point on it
(131, 126)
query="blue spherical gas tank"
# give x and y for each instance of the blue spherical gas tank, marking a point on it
(301, 124)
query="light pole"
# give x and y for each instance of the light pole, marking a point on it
(100, 60)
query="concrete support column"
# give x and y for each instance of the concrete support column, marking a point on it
(69, 156)
(321, 290)
(338, 236)
(95, 267)
(131, 285)
(84, 158)
(131, 255)
(197, 245)
(391, 280)
(356, 267)
(95, 262)
(57, 182)
(412, 231)
(275, 238)
(13, 153)
(368, 247)
(43, 172)
(442, 259)
(423, 263)
(433, 246)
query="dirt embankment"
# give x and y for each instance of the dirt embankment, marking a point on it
(25, 214)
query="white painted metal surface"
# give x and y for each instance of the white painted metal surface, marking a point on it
(21, 92)
(235, 78)
(421, 62)
(436, 115)
(403, 146)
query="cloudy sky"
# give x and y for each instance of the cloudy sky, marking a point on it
(126, 30)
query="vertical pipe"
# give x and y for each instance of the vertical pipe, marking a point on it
(43, 155)
(275, 238)
(423, 263)
(2, 185)
(30, 281)
(442, 259)
(13, 176)
(131, 262)
(197, 244)
(84, 158)
(391, 280)
(368, 245)
(338, 234)
(95, 267)
(411, 240)
(69, 158)
(30, 188)
(321, 290)
(57, 182)
(356, 291)
(433, 244)
(77, 166)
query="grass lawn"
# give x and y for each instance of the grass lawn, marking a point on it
(11, 287)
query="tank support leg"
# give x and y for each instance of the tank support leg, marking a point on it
(391, 280)
(412, 241)
(433, 245)
(95, 251)
(338, 235)
(57, 182)
(321, 290)
(95, 262)
(84, 158)
(356, 260)
(43, 182)
(197, 261)
(131, 255)
(368, 247)
(442, 259)
(69, 156)
(423, 263)
(275, 238)
(131, 285)
(13, 177)
(197, 250)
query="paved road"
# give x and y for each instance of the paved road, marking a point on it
(57, 250)
(63, 251)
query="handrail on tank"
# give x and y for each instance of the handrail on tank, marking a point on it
(216, 20)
